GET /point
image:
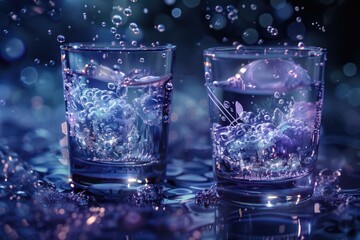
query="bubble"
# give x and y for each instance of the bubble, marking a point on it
(111, 86)
(146, 11)
(49, 32)
(296, 8)
(232, 16)
(160, 27)
(253, 7)
(218, 21)
(219, 9)
(5, 31)
(141, 60)
(163, 55)
(36, 61)
(273, 31)
(119, 61)
(127, 12)
(176, 12)
(265, 20)
(281, 101)
(103, 24)
(301, 45)
(169, 86)
(52, 62)
(298, 19)
(84, 16)
(226, 104)
(133, 26)
(207, 16)
(276, 94)
(118, 36)
(267, 117)
(134, 43)
(250, 36)
(29, 75)
(2, 102)
(117, 20)
(60, 38)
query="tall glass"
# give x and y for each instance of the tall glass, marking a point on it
(265, 111)
(118, 103)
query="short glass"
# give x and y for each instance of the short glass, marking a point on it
(265, 112)
(118, 103)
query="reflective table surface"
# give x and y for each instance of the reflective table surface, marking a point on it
(37, 200)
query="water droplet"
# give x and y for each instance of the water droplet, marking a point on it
(141, 60)
(60, 38)
(253, 7)
(219, 9)
(301, 45)
(49, 32)
(160, 28)
(117, 20)
(133, 26)
(127, 12)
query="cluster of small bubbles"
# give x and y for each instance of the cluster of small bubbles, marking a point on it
(117, 20)
(272, 30)
(219, 9)
(253, 7)
(207, 197)
(160, 28)
(318, 26)
(127, 12)
(60, 38)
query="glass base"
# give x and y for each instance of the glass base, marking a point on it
(114, 181)
(274, 193)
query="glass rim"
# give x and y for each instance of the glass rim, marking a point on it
(108, 47)
(221, 50)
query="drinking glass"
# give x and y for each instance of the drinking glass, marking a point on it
(265, 110)
(118, 103)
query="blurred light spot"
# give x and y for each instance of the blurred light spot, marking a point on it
(218, 21)
(277, 4)
(5, 91)
(342, 90)
(296, 29)
(169, 2)
(12, 49)
(352, 119)
(265, 20)
(29, 75)
(336, 76)
(354, 97)
(285, 12)
(191, 3)
(250, 36)
(349, 69)
(176, 12)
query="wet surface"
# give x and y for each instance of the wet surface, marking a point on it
(38, 202)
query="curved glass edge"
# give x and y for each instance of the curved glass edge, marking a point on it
(85, 47)
(223, 51)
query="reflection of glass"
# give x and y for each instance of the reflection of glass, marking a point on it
(238, 223)
(118, 102)
(265, 110)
